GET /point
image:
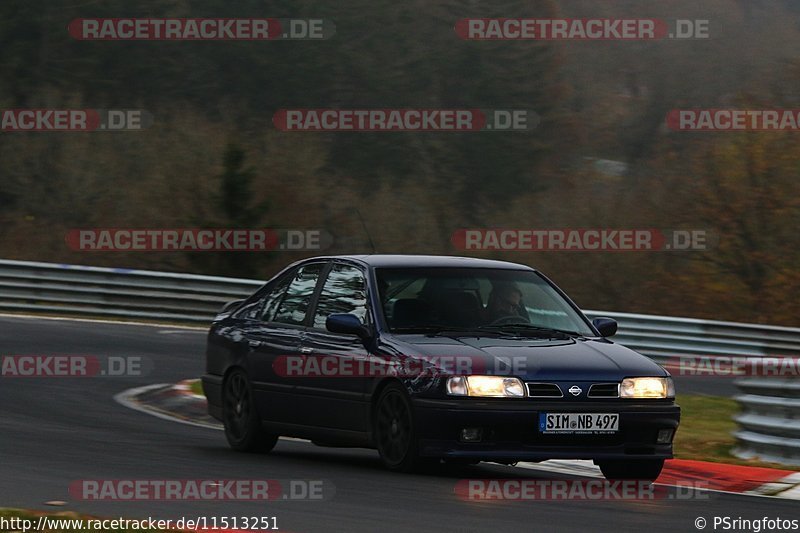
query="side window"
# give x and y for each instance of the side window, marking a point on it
(292, 308)
(274, 297)
(344, 291)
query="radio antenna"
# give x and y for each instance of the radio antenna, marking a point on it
(363, 225)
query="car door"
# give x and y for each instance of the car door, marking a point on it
(277, 336)
(338, 398)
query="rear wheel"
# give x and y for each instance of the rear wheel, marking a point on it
(242, 422)
(634, 469)
(395, 432)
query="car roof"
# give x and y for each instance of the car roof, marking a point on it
(422, 261)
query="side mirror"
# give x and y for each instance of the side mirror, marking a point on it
(347, 323)
(606, 326)
(230, 306)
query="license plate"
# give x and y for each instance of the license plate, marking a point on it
(587, 423)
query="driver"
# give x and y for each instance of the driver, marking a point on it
(504, 301)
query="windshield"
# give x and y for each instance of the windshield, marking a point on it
(472, 298)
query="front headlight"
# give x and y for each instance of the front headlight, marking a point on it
(485, 386)
(647, 388)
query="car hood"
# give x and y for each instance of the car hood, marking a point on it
(532, 359)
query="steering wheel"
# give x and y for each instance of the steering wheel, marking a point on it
(508, 319)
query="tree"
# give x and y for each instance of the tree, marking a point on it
(237, 210)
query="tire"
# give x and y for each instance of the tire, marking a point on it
(633, 469)
(241, 419)
(395, 431)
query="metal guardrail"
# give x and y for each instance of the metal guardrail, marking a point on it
(74, 290)
(769, 423)
(663, 337)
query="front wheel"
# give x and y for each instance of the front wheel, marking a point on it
(240, 417)
(633, 469)
(395, 432)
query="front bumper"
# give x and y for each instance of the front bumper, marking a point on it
(510, 430)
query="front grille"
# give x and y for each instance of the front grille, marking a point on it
(544, 390)
(604, 390)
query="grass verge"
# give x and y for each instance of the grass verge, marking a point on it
(196, 386)
(706, 431)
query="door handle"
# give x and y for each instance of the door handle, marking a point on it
(306, 349)
(255, 344)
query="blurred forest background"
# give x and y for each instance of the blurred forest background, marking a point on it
(600, 101)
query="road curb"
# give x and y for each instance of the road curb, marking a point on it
(170, 401)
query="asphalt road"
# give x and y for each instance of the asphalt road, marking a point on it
(54, 431)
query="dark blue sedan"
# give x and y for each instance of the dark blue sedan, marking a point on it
(431, 359)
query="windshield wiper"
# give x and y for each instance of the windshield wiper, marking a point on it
(513, 329)
(450, 331)
(530, 327)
